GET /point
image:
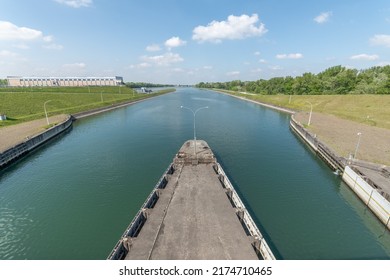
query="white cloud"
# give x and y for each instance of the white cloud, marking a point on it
(262, 60)
(233, 73)
(236, 27)
(256, 53)
(178, 70)
(48, 39)
(323, 17)
(174, 42)
(289, 56)
(54, 47)
(22, 46)
(144, 65)
(164, 59)
(383, 63)
(75, 3)
(78, 65)
(5, 53)
(381, 40)
(364, 56)
(257, 70)
(141, 65)
(10, 32)
(207, 67)
(275, 67)
(153, 48)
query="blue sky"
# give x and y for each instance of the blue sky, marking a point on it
(185, 42)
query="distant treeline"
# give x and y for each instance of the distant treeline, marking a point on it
(146, 85)
(334, 80)
(3, 82)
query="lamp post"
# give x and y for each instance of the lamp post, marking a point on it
(44, 107)
(357, 144)
(311, 111)
(194, 113)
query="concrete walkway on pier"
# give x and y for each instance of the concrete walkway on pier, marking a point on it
(193, 218)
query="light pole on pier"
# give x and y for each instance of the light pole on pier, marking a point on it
(357, 144)
(44, 107)
(194, 113)
(311, 111)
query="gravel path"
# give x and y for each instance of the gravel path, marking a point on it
(341, 136)
(15, 134)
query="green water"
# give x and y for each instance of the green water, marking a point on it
(73, 198)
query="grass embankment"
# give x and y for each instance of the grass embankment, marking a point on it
(25, 104)
(372, 110)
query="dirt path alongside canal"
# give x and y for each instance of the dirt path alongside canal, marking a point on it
(342, 136)
(15, 134)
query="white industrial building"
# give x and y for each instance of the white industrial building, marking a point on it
(18, 81)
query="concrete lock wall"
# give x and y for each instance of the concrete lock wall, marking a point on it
(304, 134)
(12, 154)
(370, 196)
(331, 158)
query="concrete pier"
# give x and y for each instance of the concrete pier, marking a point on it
(193, 213)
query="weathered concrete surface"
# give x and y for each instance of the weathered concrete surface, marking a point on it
(378, 178)
(193, 218)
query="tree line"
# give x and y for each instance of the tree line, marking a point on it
(334, 80)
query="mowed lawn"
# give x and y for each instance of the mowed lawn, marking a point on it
(368, 109)
(24, 104)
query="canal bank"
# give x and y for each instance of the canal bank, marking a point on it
(369, 181)
(31, 143)
(93, 112)
(19, 147)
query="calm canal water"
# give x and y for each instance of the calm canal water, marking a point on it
(73, 198)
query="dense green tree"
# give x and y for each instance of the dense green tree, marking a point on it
(334, 80)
